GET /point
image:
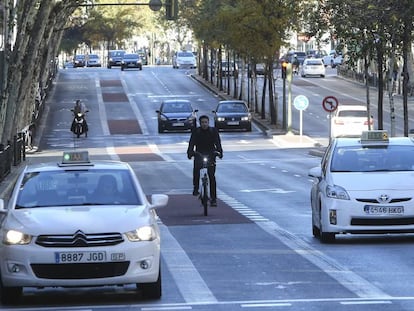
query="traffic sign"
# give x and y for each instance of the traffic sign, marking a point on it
(301, 102)
(330, 103)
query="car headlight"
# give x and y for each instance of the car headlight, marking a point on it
(14, 237)
(146, 233)
(220, 119)
(245, 118)
(336, 192)
(163, 118)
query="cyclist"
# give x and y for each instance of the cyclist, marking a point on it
(206, 140)
(79, 107)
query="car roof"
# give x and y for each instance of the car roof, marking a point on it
(351, 107)
(172, 101)
(356, 141)
(95, 165)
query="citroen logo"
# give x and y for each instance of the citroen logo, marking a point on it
(383, 198)
(80, 238)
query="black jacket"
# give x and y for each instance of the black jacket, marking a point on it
(204, 141)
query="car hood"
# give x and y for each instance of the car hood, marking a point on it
(373, 181)
(231, 114)
(177, 114)
(66, 220)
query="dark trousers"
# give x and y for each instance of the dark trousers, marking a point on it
(211, 170)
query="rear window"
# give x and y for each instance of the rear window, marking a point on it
(352, 113)
(314, 62)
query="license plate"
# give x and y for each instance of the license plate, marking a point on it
(233, 123)
(79, 257)
(383, 210)
(178, 124)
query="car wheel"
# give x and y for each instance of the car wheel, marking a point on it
(325, 237)
(160, 129)
(122, 68)
(315, 230)
(323, 76)
(10, 295)
(151, 290)
(303, 76)
(249, 128)
(140, 67)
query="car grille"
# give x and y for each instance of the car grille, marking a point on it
(382, 221)
(80, 239)
(80, 270)
(397, 200)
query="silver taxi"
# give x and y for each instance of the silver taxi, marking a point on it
(79, 223)
(364, 186)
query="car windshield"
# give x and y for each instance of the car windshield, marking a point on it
(185, 54)
(353, 113)
(373, 159)
(83, 187)
(79, 56)
(232, 108)
(176, 107)
(117, 54)
(93, 56)
(131, 56)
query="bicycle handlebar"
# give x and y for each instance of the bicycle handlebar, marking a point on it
(215, 154)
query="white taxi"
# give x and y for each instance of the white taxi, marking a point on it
(364, 186)
(79, 223)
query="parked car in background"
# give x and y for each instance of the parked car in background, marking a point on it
(79, 60)
(301, 56)
(144, 57)
(232, 114)
(93, 60)
(313, 67)
(316, 53)
(229, 68)
(115, 58)
(338, 60)
(131, 61)
(184, 59)
(350, 121)
(176, 115)
(79, 223)
(328, 60)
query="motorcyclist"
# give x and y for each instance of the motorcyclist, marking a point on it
(79, 111)
(206, 140)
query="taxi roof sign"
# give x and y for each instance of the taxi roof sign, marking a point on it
(75, 157)
(375, 136)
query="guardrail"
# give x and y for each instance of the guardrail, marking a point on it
(12, 154)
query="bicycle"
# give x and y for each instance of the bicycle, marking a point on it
(204, 180)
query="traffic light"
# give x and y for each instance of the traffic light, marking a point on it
(284, 69)
(171, 9)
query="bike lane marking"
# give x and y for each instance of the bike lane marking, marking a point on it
(188, 280)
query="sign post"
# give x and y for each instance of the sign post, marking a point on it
(301, 102)
(329, 104)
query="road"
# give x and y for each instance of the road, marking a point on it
(255, 251)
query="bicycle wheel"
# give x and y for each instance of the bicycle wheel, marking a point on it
(204, 195)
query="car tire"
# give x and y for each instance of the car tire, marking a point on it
(160, 129)
(122, 68)
(151, 290)
(325, 237)
(10, 295)
(249, 128)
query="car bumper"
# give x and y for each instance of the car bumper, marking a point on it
(190, 66)
(231, 124)
(352, 217)
(34, 266)
(177, 125)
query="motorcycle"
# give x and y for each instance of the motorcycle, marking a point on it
(79, 125)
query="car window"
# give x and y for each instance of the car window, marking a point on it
(370, 159)
(353, 113)
(314, 62)
(176, 107)
(68, 188)
(232, 108)
(93, 56)
(131, 56)
(118, 53)
(185, 54)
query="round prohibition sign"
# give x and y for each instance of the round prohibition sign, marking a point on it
(330, 103)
